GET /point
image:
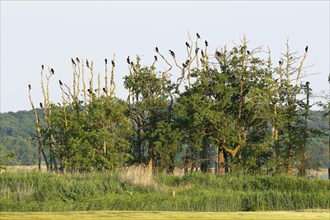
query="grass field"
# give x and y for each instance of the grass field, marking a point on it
(313, 215)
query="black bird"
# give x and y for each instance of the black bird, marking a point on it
(42, 67)
(132, 63)
(187, 44)
(199, 37)
(172, 53)
(206, 43)
(202, 53)
(187, 62)
(155, 58)
(77, 59)
(106, 61)
(41, 105)
(196, 50)
(113, 63)
(52, 71)
(87, 64)
(61, 84)
(89, 90)
(248, 52)
(280, 62)
(29, 87)
(306, 49)
(217, 53)
(74, 63)
(104, 90)
(307, 83)
(156, 49)
(184, 65)
(128, 61)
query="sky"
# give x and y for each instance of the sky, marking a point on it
(35, 33)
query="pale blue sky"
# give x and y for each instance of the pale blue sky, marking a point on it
(50, 33)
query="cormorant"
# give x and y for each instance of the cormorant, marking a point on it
(42, 67)
(202, 53)
(104, 90)
(113, 63)
(187, 62)
(89, 90)
(41, 105)
(87, 64)
(248, 52)
(184, 65)
(156, 49)
(187, 44)
(172, 53)
(29, 86)
(61, 84)
(128, 61)
(106, 61)
(52, 71)
(77, 59)
(280, 62)
(306, 49)
(198, 36)
(206, 43)
(74, 63)
(155, 58)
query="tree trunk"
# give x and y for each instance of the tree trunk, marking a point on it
(221, 162)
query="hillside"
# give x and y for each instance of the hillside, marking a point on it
(17, 132)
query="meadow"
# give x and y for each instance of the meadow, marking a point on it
(131, 190)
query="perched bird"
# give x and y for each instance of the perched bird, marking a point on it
(128, 61)
(42, 67)
(199, 37)
(132, 63)
(202, 53)
(307, 83)
(41, 105)
(87, 64)
(29, 87)
(206, 43)
(306, 49)
(187, 62)
(52, 71)
(187, 44)
(156, 49)
(196, 50)
(172, 53)
(74, 63)
(106, 61)
(77, 59)
(248, 52)
(184, 65)
(89, 90)
(61, 84)
(155, 58)
(104, 90)
(280, 62)
(113, 63)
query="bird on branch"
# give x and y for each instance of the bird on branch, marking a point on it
(106, 61)
(29, 87)
(87, 64)
(306, 49)
(187, 44)
(61, 84)
(157, 50)
(113, 63)
(74, 63)
(172, 53)
(199, 37)
(206, 43)
(52, 71)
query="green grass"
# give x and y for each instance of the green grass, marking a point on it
(47, 192)
(168, 215)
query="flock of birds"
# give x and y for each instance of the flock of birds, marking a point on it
(217, 53)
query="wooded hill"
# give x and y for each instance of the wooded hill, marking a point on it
(231, 110)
